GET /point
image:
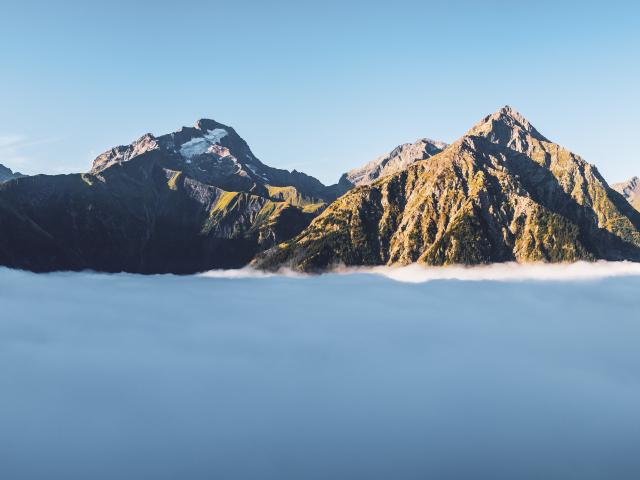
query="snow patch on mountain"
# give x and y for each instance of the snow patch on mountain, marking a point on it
(201, 145)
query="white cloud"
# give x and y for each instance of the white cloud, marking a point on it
(499, 272)
(16, 151)
(106, 377)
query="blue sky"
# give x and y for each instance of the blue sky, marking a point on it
(317, 86)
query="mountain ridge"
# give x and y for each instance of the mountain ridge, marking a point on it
(188, 201)
(7, 174)
(198, 199)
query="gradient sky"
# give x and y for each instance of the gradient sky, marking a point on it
(317, 86)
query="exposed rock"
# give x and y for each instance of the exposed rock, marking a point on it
(630, 190)
(6, 174)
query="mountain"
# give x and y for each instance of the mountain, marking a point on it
(502, 192)
(188, 201)
(6, 174)
(215, 154)
(630, 190)
(396, 160)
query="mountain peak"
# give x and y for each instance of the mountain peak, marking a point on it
(509, 128)
(397, 159)
(7, 174)
(511, 115)
(205, 124)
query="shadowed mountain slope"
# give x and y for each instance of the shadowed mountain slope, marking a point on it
(396, 160)
(188, 201)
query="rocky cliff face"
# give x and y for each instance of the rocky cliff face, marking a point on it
(188, 201)
(396, 160)
(6, 174)
(502, 192)
(630, 190)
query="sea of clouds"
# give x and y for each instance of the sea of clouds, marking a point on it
(405, 373)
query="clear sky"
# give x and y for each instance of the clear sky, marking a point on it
(318, 86)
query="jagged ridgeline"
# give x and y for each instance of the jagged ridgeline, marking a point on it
(502, 192)
(7, 174)
(188, 201)
(198, 199)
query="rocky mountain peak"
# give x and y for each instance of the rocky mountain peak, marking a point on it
(396, 160)
(205, 124)
(207, 139)
(214, 154)
(507, 127)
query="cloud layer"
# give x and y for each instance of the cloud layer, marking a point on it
(330, 376)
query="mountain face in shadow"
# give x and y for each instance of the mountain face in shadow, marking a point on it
(502, 192)
(7, 174)
(188, 201)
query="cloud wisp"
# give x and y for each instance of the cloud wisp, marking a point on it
(15, 151)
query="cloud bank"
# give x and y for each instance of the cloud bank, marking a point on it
(503, 272)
